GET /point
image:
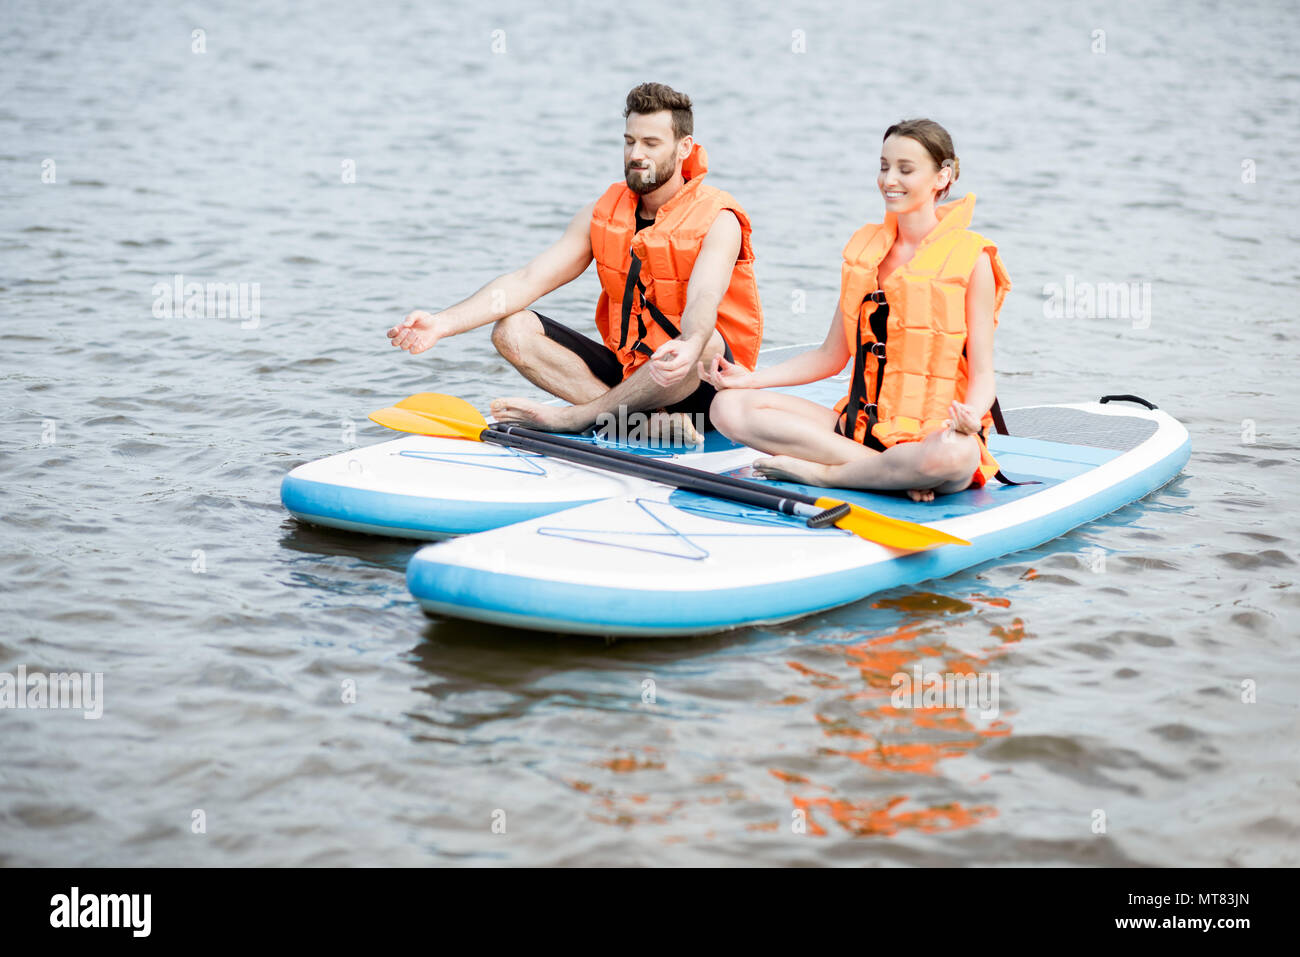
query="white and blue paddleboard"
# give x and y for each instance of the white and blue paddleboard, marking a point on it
(433, 488)
(649, 560)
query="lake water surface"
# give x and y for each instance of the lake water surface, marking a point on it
(141, 534)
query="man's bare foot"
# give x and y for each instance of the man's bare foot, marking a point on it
(670, 428)
(786, 468)
(533, 415)
(921, 494)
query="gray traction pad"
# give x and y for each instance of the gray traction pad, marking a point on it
(1077, 427)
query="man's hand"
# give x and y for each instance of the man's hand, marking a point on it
(417, 332)
(673, 361)
(725, 375)
(963, 419)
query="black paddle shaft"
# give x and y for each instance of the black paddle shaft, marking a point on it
(665, 473)
(671, 468)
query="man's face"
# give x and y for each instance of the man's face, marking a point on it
(650, 153)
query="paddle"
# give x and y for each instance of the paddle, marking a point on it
(429, 413)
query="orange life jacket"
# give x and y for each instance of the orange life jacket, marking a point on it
(925, 364)
(644, 275)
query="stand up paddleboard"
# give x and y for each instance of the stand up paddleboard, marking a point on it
(648, 560)
(433, 488)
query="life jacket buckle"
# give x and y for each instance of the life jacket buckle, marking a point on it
(877, 349)
(876, 296)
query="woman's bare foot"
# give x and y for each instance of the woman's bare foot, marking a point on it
(670, 428)
(787, 468)
(921, 494)
(533, 415)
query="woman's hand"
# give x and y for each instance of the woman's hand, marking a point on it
(964, 420)
(417, 332)
(722, 374)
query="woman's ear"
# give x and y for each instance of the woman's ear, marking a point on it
(946, 180)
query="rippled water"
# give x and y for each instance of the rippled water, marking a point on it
(143, 537)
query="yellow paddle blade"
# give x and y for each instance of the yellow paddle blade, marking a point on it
(890, 532)
(444, 407)
(422, 423)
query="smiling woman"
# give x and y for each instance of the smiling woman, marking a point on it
(914, 173)
(919, 299)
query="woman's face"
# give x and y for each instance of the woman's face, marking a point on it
(908, 177)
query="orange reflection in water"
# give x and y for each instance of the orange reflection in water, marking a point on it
(870, 818)
(623, 765)
(1011, 633)
(890, 739)
(850, 704)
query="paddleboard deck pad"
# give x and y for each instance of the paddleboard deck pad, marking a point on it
(646, 560)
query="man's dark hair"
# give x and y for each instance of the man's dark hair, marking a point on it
(655, 97)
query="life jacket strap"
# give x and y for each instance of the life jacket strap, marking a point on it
(635, 286)
(633, 275)
(846, 425)
(1000, 425)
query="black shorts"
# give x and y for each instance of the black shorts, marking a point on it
(604, 365)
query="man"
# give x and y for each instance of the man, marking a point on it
(677, 288)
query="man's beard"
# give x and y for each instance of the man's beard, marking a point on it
(642, 181)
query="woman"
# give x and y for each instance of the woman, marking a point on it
(919, 299)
